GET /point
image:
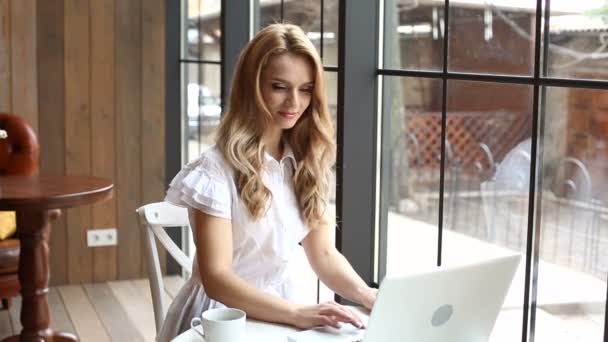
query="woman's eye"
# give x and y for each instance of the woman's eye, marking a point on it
(306, 90)
(279, 87)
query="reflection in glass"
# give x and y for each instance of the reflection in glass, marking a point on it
(330, 31)
(493, 36)
(573, 236)
(413, 108)
(202, 109)
(270, 12)
(578, 35)
(331, 89)
(413, 35)
(307, 15)
(487, 167)
(201, 33)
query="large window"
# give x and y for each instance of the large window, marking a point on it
(201, 86)
(200, 61)
(445, 112)
(464, 121)
(201, 83)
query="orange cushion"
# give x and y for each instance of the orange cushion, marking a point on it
(8, 224)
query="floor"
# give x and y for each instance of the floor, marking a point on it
(112, 311)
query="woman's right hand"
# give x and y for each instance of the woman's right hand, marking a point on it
(324, 314)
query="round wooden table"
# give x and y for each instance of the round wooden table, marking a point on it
(33, 198)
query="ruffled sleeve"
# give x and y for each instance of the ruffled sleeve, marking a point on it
(203, 185)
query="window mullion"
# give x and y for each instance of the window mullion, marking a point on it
(235, 23)
(357, 138)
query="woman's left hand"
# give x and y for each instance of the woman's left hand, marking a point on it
(368, 297)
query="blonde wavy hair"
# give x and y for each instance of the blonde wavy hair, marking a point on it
(239, 137)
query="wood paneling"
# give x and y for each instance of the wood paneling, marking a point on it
(23, 60)
(153, 104)
(103, 122)
(51, 97)
(78, 138)
(128, 129)
(88, 75)
(5, 57)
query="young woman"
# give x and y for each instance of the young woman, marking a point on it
(261, 190)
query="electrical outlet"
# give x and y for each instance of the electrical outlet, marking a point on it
(102, 237)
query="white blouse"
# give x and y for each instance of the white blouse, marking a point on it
(262, 249)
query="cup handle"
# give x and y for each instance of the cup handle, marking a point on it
(196, 321)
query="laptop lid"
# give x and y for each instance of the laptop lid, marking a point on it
(456, 304)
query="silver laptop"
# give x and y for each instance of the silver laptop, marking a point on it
(447, 304)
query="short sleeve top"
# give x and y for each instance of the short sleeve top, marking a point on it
(261, 248)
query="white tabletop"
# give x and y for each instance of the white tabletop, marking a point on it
(256, 331)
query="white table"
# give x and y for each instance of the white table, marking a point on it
(258, 331)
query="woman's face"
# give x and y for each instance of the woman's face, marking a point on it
(287, 84)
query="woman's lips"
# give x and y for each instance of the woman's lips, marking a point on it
(288, 115)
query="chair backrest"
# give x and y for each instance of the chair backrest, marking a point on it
(19, 149)
(154, 218)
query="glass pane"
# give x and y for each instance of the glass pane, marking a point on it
(578, 41)
(201, 33)
(413, 35)
(413, 106)
(574, 240)
(307, 15)
(331, 14)
(493, 36)
(331, 89)
(487, 168)
(202, 109)
(270, 12)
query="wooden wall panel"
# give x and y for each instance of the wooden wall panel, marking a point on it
(23, 60)
(51, 104)
(153, 104)
(103, 120)
(128, 140)
(5, 56)
(78, 132)
(89, 76)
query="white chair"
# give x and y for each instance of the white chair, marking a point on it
(154, 217)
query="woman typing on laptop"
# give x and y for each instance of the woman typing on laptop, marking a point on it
(262, 190)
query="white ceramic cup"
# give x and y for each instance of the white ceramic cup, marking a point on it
(221, 325)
